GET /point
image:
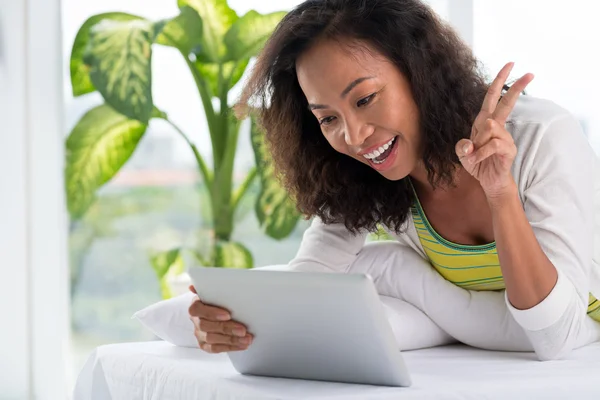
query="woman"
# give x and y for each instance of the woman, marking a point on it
(376, 114)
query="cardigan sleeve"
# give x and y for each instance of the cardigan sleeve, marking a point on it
(327, 248)
(559, 204)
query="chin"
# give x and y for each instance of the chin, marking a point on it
(395, 174)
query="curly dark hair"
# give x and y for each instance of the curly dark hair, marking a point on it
(446, 82)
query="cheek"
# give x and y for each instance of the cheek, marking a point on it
(335, 140)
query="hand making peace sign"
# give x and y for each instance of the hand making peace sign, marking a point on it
(490, 152)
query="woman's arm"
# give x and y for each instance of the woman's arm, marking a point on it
(545, 246)
(327, 248)
(479, 319)
(528, 274)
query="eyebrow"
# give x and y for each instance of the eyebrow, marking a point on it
(345, 92)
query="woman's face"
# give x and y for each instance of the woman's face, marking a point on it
(364, 106)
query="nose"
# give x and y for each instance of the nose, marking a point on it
(357, 132)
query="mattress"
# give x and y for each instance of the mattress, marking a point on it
(158, 370)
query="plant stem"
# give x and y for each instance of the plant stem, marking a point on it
(223, 212)
(243, 189)
(206, 175)
(209, 110)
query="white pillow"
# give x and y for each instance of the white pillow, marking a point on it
(170, 321)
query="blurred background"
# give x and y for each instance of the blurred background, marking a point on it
(158, 200)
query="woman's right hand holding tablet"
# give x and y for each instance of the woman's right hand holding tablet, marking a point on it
(214, 329)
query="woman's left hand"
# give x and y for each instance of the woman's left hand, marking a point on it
(489, 153)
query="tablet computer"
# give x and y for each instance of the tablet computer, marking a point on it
(307, 325)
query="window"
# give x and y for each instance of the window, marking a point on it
(155, 202)
(555, 40)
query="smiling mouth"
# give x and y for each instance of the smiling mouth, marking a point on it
(382, 153)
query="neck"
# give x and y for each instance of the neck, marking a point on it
(463, 181)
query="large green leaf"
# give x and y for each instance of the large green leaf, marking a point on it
(166, 265)
(119, 57)
(183, 32)
(231, 70)
(217, 17)
(80, 72)
(232, 255)
(275, 210)
(249, 34)
(98, 146)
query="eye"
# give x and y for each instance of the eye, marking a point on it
(326, 120)
(365, 100)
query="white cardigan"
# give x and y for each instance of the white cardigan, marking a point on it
(557, 175)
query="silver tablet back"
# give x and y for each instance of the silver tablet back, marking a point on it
(317, 326)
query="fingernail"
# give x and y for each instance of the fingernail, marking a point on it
(239, 332)
(245, 340)
(223, 317)
(466, 148)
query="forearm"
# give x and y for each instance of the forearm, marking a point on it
(528, 274)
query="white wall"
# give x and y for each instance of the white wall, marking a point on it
(33, 267)
(14, 340)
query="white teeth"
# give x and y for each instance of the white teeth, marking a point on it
(379, 151)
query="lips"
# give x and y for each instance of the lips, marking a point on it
(377, 151)
(386, 159)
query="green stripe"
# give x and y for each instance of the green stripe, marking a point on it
(470, 267)
(491, 286)
(427, 240)
(459, 254)
(474, 281)
(594, 309)
(483, 285)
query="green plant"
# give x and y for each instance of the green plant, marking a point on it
(112, 54)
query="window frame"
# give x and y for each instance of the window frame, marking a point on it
(33, 236)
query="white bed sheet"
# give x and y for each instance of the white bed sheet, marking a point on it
(158, 370)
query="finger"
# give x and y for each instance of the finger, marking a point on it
(495, 90)
(478, 124)
(193, 289)
(221, 348)
(508, 101)
(463, 148)
(199, 309)
(487, 130)
(227, 328)
(217, 338)
(495, 146)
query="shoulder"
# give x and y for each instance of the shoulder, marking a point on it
(535, 110)
(545, 133)
(532, 119)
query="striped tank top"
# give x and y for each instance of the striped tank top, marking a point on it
(468, 266)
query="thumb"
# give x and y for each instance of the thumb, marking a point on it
(193, 289)
(463, 148)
